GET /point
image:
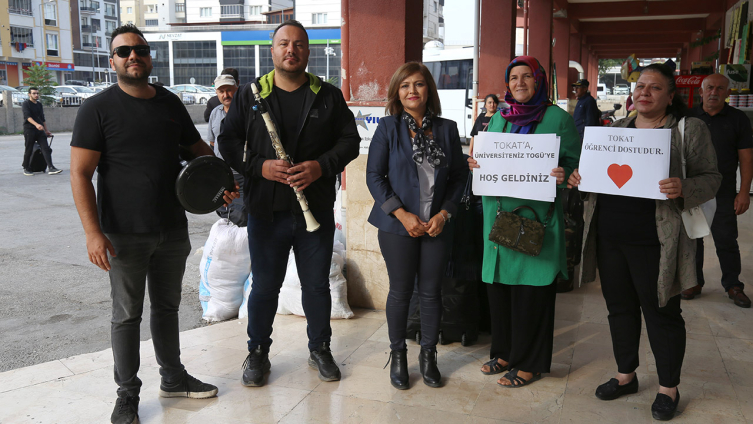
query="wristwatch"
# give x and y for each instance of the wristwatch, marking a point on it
(446, 218)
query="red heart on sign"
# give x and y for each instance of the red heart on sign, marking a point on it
(620, 174)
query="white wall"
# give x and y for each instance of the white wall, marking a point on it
(305, 8)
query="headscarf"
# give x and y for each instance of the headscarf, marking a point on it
(423, 145)
(525, 114)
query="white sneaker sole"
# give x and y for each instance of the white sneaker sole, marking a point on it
(190, 395)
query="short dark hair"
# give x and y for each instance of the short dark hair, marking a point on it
(233, 73)
(678, 108)
(493, 97)
(32, 88)
(394, 106)
(125, 29)
(294, 23)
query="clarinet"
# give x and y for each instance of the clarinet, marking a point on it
(311, 223)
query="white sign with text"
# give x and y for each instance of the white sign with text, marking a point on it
(516, 165)
(367, 119)
(625, 161)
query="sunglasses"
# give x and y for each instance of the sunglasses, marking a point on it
(125, 51)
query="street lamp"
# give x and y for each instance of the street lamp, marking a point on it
(328, 51)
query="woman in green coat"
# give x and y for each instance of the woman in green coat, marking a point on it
(522, 288)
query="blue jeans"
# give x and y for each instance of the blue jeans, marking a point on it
(269, 244)
(724, 231)
(160, 259)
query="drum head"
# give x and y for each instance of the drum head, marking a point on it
(201, 184)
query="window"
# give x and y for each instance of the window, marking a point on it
(180, 7)
(151, 22)
(98, 41)
(110, 10)
(150, 9)
(96, 25)
(194, 59)
(318, 18)
(205, 12)
(451, 74)
(20, 7)
(95, 5)
(435, 7)
(50, 15)
(84, 21)
(254, 10)
(233, 10)
(21, 35)
(129, 9)
(110, 27)
(52, 45)
(85, 40)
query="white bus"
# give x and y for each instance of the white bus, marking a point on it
(452, 69)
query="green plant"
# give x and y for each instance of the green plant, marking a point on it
(606, 64)
(40, 77)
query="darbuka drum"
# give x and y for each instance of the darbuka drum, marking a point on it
(202, 183)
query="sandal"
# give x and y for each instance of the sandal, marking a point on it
(517, 381)
(495, 367)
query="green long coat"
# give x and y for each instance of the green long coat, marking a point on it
(502, 265)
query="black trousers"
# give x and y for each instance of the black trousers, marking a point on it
(407, 257)
(32, 135)
(523, 325)
(724, 231)
(629, 275)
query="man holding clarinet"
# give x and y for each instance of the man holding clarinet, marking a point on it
(290, 141)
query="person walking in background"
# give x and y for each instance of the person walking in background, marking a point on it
(35, 131)
(491, 102)
(316, 128)
(416, 174)
(586, 112)
(733, 141)
(131, 134)
(521, 288)
(641, 249)
(215, 101)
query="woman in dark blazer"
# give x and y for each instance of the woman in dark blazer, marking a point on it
(415, 173)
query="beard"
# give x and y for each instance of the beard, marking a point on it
(133, 76)
(290, 70)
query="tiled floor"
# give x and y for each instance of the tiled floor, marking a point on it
(717, 379)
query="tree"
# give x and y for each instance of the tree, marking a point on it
(40, 77)
(606, 64)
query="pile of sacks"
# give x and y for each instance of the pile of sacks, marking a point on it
(225, 282)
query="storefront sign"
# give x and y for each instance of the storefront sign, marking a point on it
(625, 161)
(52, 66)
(516, 165)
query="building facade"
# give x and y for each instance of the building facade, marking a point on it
(93, 22)
(197, 57)
(433, 21)
(33, 31)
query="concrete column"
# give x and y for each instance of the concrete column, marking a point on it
(496, 45)
(382, 36)
(572, 74)
(561, 55)
(540, 32)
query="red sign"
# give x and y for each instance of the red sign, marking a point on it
(689, 80)
(53, 66)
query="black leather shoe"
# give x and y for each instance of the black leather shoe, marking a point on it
(256, 365)
(737, 295)
(611, 390)
(399, 369)
(321, 359)
(427, 361)
(664, 407)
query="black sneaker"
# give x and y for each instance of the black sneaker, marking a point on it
(256, 365)
(126, 410)
(321, 359)
(189, 387)
(28, 173)
(53, 171)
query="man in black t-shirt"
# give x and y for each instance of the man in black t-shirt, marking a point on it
(319, 132)
(733, 140)
(35, 131)
(131, 133)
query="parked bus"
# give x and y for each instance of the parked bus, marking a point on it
(452, 69)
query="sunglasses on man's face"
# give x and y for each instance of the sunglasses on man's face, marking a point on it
(125, 51)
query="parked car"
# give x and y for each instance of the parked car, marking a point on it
(56, 98)
(601, 91)
(621, 89)
(77, 82)
(70, 97)
(201, 93)
(18, 96)
(188, 99)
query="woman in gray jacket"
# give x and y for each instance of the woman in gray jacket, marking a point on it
(644, 256)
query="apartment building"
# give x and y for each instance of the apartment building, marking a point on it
(93, 22)
(33, 31)
(433, 21)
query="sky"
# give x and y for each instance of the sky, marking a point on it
(458, 22)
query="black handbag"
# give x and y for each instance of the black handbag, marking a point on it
(519, 233)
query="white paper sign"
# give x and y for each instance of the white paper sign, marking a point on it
(516, 165)
(367, 119)
(625, 161)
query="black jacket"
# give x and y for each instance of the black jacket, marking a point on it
(328, 135)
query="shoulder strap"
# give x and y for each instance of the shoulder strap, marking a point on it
(681, 127)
